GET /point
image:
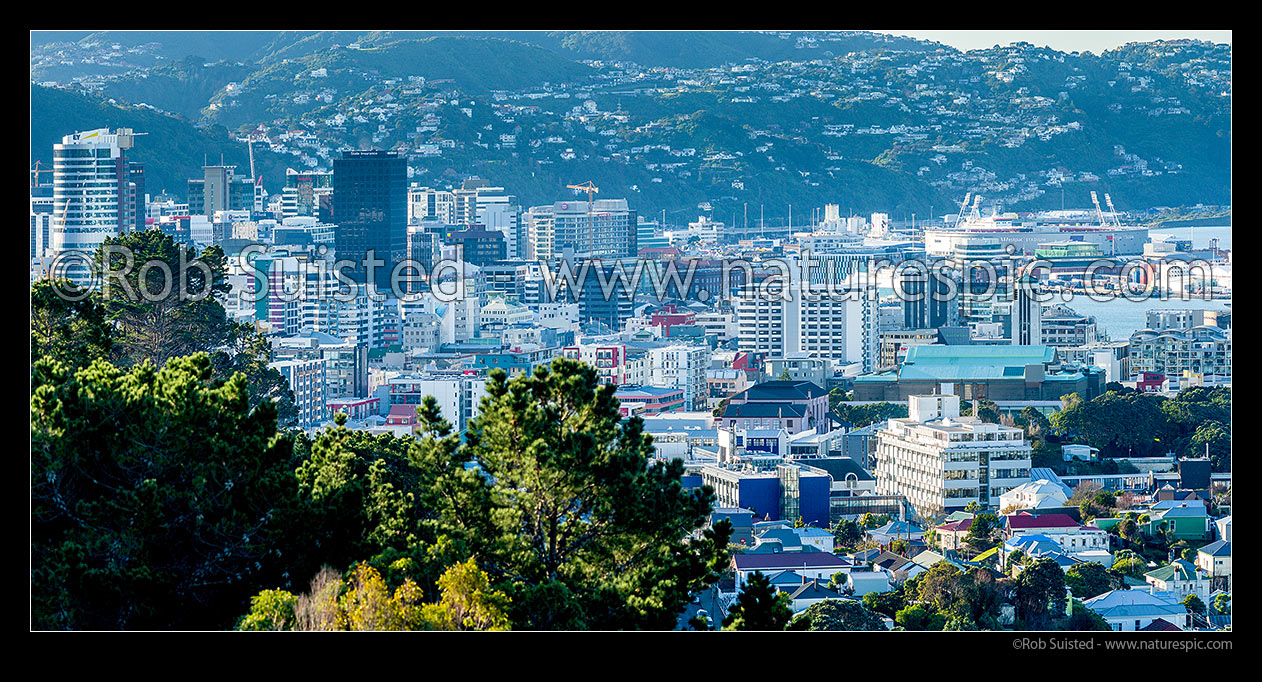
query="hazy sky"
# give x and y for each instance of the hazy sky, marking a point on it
(1065, 41)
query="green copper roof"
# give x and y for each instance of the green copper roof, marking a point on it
(972, 362)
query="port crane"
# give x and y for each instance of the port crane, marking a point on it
(1108, 200)
(1099, 213)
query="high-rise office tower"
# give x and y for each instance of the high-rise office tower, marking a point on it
(605, 229)
(928, 302)
(370, 209)
(498, 211)
(220, 189)
(1027, 313)
(303, 189)
(136, 174)
(93, 197)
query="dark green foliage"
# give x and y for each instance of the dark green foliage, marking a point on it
(759, 606)
(1090, 579)
(885, 603)
(981, 531)
(156, 496)
(1084, 620)
(568, 502)
(183, 316)
(1039, 594)
(1139, 424)
(1194, 604)
(249, 352)
(71, 332)
(987, 410)
(188, 319)
(917, 617)
(863, 415)
(970, 597)
(842, 614)
(847, 533)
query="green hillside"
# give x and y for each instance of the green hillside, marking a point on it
(173, 150)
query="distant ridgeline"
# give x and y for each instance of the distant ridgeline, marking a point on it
(751, 121)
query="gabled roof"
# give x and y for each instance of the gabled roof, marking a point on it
(1135, 604)
(812, 590)
(1160, 625)
(1217, 548)
(788, 560)
(928, 558)
(785, 578)
(764, 411)
(1178, 569)
(780, 390)
(896, 527)
(891, 561)
(1024, 521)
(866, 555)
(956, 526)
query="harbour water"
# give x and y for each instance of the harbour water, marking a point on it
(1200, 235)
(1121, 317)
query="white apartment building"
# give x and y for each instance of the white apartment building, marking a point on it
(941, 461)
(721, 324)
(679, 366)
(499, 313)
(610, 361)
(842, 329)
(425, 203)
(1202, 350)
(308, 381)
(459, 396)
(604, 229)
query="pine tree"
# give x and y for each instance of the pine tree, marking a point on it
(759, 606)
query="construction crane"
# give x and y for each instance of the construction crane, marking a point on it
(250, 145)
(35, 171)
(586, 187)
(590, 189)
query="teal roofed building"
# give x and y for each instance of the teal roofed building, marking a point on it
(977, 372)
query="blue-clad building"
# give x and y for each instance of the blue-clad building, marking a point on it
(785, 493)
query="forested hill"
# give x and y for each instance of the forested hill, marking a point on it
(686, 122)
(173, 150)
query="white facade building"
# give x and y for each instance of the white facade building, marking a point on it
(941, 461)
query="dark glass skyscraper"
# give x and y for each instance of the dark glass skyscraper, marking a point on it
(370, 210)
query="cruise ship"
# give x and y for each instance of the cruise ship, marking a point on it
(1027, 233)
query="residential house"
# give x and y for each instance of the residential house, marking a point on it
(1133, 610)
(1215, 560)
(1180, 578)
